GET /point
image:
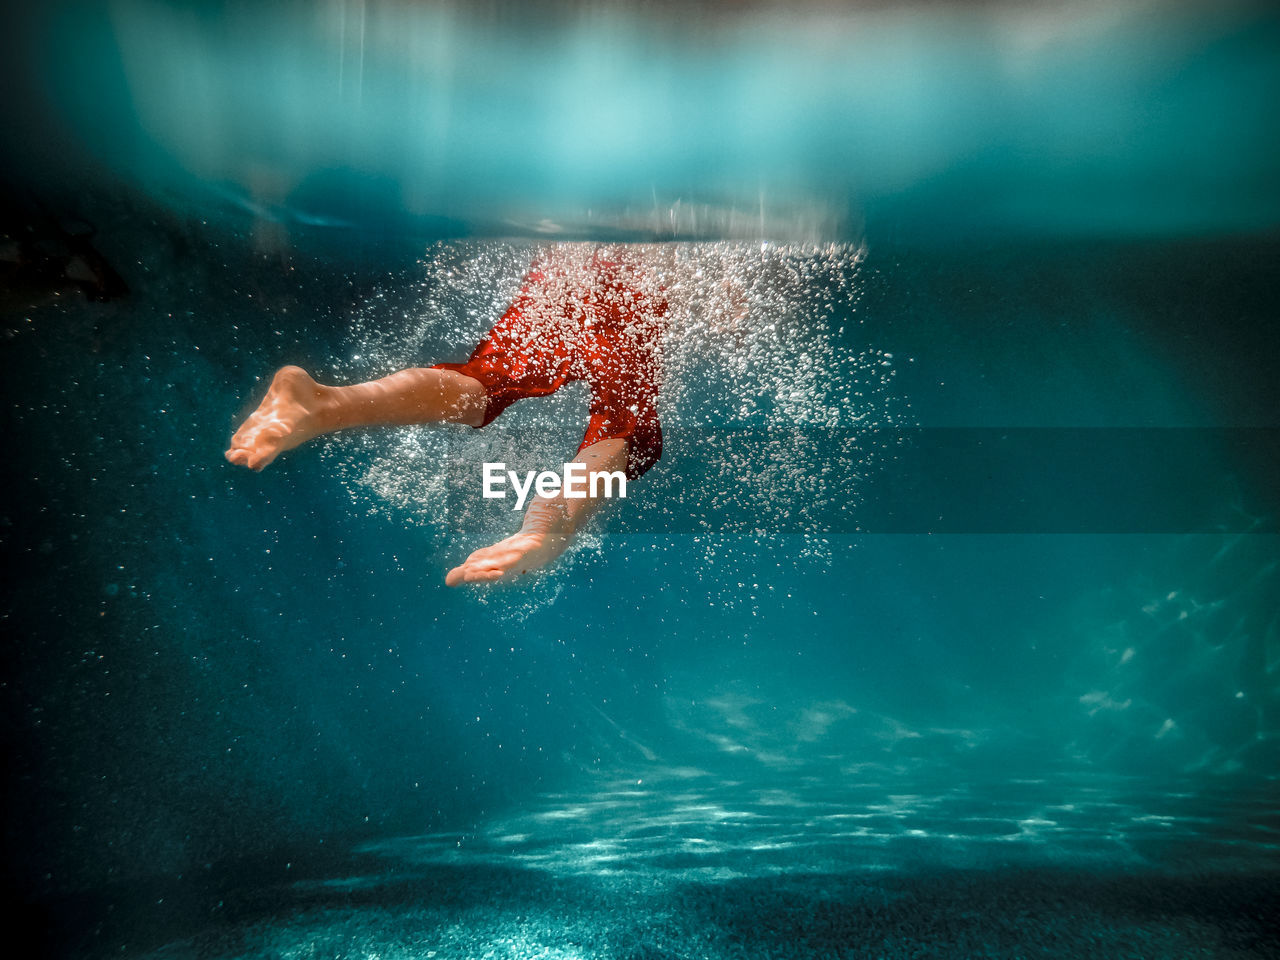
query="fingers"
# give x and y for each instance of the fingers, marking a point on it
(473, 573)
(481, 567)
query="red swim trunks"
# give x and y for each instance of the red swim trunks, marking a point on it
(585, 316)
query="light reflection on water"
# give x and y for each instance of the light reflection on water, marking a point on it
(684, 824)
(1131, 119)
(678, 863)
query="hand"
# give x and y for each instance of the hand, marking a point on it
(516, 555)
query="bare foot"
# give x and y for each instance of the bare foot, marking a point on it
(509, 558)
(288, 416)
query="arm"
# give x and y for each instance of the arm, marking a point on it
(550, 525)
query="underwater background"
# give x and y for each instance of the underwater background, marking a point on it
(948, 624)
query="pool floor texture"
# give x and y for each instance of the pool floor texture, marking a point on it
(474, 912)
(685, 867)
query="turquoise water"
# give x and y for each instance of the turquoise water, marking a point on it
(946, 626)
(1124, 119)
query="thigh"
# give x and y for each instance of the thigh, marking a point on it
(515, 360)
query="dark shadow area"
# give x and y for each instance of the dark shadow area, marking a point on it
(998, 913)
(464, 910)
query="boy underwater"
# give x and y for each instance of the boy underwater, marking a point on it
(597, 317)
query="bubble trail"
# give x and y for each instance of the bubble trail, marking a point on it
(758, 337)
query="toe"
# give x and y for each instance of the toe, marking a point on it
(257, 461)
(252, 424)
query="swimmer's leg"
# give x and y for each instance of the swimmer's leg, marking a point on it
(297, 408)
(549, 525)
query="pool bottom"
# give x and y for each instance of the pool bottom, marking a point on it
(684, 866)
(472, 912)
